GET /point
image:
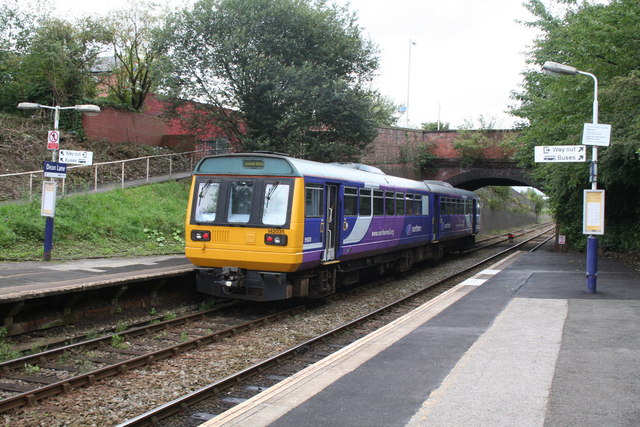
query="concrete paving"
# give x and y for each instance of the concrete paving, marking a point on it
(522, 344)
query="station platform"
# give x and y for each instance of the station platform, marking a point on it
(520, 344)
(26, 280)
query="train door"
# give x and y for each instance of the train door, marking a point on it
(331, 220)
(436, 217)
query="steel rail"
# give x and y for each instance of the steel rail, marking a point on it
(153, 416)
(32, 396)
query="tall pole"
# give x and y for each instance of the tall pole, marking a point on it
(592, 240)
(411, 43)
(48, 224)
(554, 68)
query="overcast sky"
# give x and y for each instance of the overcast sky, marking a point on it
(467, 58)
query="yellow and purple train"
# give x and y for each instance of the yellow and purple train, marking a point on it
(263, 226)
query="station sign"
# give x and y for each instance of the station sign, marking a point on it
(596, 134)
(55, 170)
(76, 157)
(560, 153)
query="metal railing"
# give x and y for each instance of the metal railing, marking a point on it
(104, 175)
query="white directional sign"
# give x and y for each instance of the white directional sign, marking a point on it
(560, 153)
(76, 157)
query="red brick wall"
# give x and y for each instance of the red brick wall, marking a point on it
(147, 127)
(392, 145)
(121, 126)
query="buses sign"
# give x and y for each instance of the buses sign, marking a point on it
(560, 153)
(76, 157)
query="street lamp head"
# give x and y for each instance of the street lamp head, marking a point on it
(554, 68)
(28, 106)
(89, 109)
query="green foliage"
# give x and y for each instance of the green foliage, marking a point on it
(101, 224)
(31, 369)
(118, 341)
(434, 126)
(420, 156)
(471, 143)
(299, 80)
(7, 351)
(599, 39)
(131, 34)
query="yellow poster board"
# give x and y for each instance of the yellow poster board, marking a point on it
(593, 212)
(48, 202)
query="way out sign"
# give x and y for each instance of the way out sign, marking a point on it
(560, 153)
(53, 140)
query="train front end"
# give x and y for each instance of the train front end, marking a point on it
(245, 226)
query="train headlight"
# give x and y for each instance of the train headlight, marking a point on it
(201, 235)
(275, 239)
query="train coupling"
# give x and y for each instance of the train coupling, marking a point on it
(232, 277)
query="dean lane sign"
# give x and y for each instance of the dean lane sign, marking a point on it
(560, 153)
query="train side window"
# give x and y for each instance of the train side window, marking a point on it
(425, 205)
(313, 201)
(350, 201)
(378, 202)
(408, 203)
(207, 201)
(276, 204)
(389, 203)
(365, 202)
(399, 204)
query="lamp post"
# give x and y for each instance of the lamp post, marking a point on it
(411, 43)
(86, 108)
(554, 68)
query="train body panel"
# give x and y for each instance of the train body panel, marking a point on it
(264, 226)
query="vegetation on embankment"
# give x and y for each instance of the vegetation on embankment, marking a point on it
(147, 220)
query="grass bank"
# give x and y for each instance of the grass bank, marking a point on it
(147, 220)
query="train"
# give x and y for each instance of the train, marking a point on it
(267, 226)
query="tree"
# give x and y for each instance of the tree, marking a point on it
(431, 126)
(599, 39)
(137, 50)
(295, 71)
(56, 69)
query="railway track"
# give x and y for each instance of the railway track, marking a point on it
(221, 395)
(32, 378)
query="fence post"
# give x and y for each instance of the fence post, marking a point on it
(30, 186)
(148, 170)
(95, 179)
(122, 176)
(170, 165)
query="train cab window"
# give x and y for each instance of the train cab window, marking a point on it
(276, 203)
(378, 202)
(350, 201)
(313, 201)
(365, 202)
(207, 201)
(240, 201)
(389, 203)
(399, 204)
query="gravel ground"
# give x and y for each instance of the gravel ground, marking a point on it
(117, 399)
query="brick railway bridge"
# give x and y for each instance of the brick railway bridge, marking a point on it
(395, 151)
